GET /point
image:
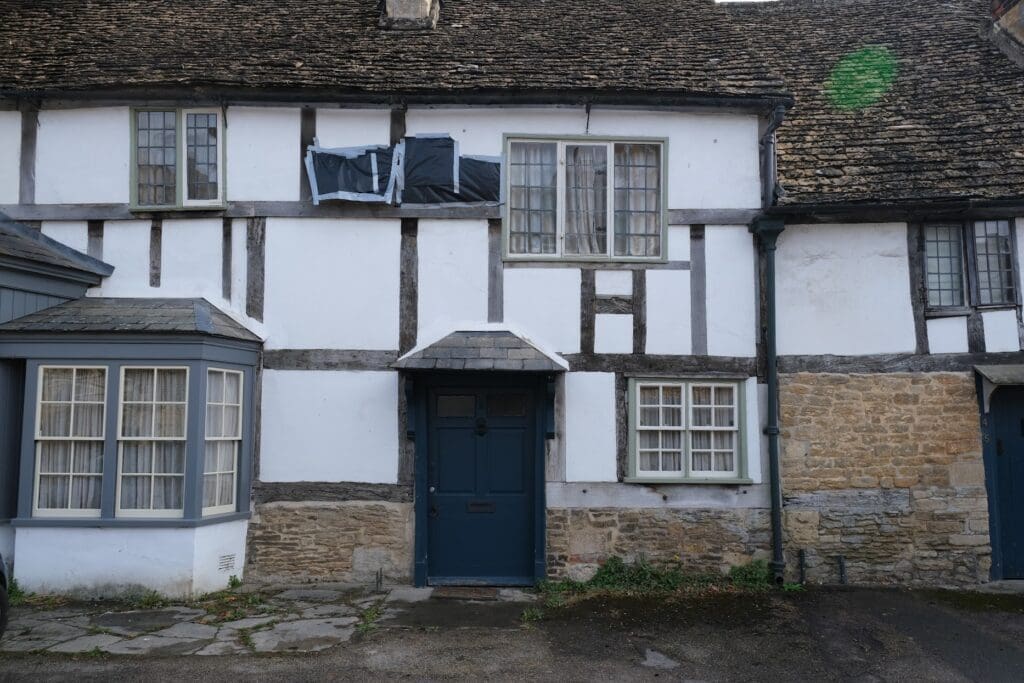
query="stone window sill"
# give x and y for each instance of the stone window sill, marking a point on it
(126, 522)
(683, 480)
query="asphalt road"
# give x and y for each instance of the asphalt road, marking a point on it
(817, 635)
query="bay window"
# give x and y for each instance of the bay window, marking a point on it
(223, 438)
(586, 199)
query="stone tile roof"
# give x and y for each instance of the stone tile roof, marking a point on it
(645, 46)
(28, 244)
(491, 350)
(132, 316)
(948, 127)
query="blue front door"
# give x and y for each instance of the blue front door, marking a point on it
(1007, 460)
(481, 485)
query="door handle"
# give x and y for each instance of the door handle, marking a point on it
(433, 511)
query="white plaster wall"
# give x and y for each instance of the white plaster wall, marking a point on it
(731, 293)
(329, 426)
(263, 153)
(105, 562)
(83, 156)
(755, 421)
(74, 234)
(712, 158)
(613, 333)
(590, 427)
(353, 127)
(614, 282)
(126, 247)
(452, 277)
(10, 156)
(1001, 333)
(191, 258)
(668, 312)
(679, 243)
(211, 543)
(332, 283)
(844, 289)
(947, 335)
(544, 303)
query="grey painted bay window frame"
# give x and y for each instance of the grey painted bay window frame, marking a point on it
(181, 199)
(969, 271)
(742, 448)
(561, 142)
(199, 355)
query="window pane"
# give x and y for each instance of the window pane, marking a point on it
(671, 461)
(85, 492)
(136, 492)
(648, 439)
(994, 251)
(57, 383)
(88, 457)
(226, 457)
(672, 396)
(456, 406)
(215, 386)
(702, 396)
(649, 417)
(168, 493)
(637, 200)
(209, 490)
(532, 197)
(232, 427)
(649, 461)
(170, 420)
(137, 420)
(701, 417)
(701, 461)
(53, 492)
(225, 489)
(672, 417)
(170, 385)
(586, 199)
(138, 385)
(156, 169)
(944, 265)
(649, 396)
(55, 419)
(201, 150)
(88, 419)
(136, 457)
(54, 457)
(169, 457)
(90, 384)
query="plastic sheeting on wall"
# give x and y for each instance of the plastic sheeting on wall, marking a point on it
(425, 169)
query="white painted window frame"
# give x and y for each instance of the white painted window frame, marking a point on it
(182, 200)
(39, 438)
(149, 514)
(560, 203)
(681, 428)
(236, 439)
(687, 474)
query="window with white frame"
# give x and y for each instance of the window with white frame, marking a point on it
(151, 440)
(178, 157)
(585, 199)
(685, 430)
(969, 264)
(223, 440)
(69, 441)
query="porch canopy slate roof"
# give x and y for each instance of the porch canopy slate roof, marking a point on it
(642, 46)
(120, 316)
(26, 244)
(949, 127)
(480, 350)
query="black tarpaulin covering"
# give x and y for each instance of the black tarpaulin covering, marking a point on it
(419, 170)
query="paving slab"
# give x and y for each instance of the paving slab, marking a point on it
(188, 629)
(38, 636)
(322, 611)
(655, 660)
(86, 643)
(249, 622)
(305, 635)
(156, 645)
(137, 622)
(408, 594)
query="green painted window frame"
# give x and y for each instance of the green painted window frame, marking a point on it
(181, 203)
(742, 475)
(560, 141)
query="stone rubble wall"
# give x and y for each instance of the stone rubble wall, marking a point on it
(885, 470)
(701, 540)
(331, 541)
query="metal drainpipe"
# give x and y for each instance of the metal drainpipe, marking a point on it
(767, 231)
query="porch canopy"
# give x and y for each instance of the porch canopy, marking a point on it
(492, 349)
(995, 376)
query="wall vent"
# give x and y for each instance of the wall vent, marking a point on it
(226, 563)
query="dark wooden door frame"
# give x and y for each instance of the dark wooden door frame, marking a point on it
(989, 457)
(418, 385)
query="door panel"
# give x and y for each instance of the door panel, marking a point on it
(1008, 429)
(481, 463)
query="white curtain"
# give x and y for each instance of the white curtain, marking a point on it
(586, 199)
(533, 201)
(71, 472)
(637, 200)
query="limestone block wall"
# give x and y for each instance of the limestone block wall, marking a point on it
(701, 540)
(885, 470)
(331, 541)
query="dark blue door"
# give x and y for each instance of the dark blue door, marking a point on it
(480, 479)
(1008, 470)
